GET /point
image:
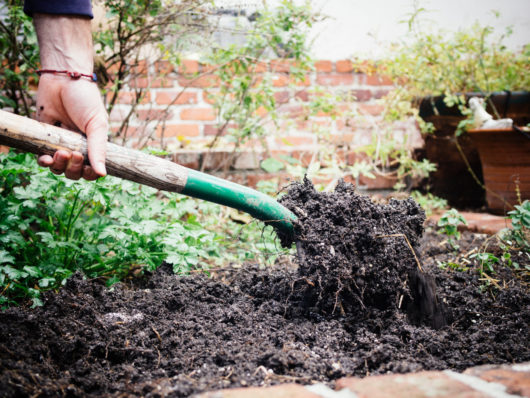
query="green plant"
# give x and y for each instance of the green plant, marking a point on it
(428, 202)
(433, 62)
(245, 100)
(19, 56)
(51, 227)
(449, 223)
(520, 231)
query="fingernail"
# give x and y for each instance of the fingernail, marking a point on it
(101, 167)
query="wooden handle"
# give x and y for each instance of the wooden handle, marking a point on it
(43, 139)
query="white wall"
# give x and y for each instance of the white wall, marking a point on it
(361, 26)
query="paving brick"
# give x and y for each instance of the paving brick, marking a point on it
(516, 378)
(483, 223)
(412, 385)
(281, 391)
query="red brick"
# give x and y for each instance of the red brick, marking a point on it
(139, 82)
(163, 67)
(209, 97)
(281, 391)
(515, 381)
(247, 160)
(280, 80)
(377, 94)
(202, 81)
(259, 67)
(253, 179)
(371, 109)
(306, 81)
(177, 130)
(153, 114)
(302, 95)
(334, 79)
(215, 160)
(189, 159)
(282, 97)
(162, 82)
(344, 66)
(346, 124)
(188, 66)
(324, 66)
(292, 111)
(205, 114)
(139, 68)
(129, 97)
(280, 66)
(412, 385)
(294, 141)
(209, 68)
(361, 95)
(379, 182)
(175, 97)
(342, 139)
(4, 149)
(378, 80)
(481, 222)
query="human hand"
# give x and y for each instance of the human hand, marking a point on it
(65, 43)
(75, 105)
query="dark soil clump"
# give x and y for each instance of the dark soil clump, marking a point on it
(175, 336)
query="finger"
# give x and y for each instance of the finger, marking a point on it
(96, 131)
(74, 168)
(60, 161)
(89, 174)
(45, 160)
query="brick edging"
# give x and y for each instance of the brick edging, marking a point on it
(488, 381)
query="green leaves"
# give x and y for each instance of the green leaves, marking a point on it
(449, 222)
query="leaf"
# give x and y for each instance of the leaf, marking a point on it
(272, 165)
(6, 258)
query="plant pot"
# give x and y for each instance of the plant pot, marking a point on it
(505, 158)
(452, 180)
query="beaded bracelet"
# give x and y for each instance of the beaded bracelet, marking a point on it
(73, 75)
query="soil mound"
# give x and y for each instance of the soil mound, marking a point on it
(354, 253)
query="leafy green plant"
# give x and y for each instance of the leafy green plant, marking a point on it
(432, 62)
(19, 56)
(245, 100)
(449, 223)
(429, 202)
(520, 231)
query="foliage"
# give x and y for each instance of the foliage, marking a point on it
(19, 56)
(520, 231)
(428, 202)
(449, 223)
(245, 100)
(133, 29)
(436, 62)
(50, 227)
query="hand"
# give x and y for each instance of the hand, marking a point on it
(75, 105)
(66, 44)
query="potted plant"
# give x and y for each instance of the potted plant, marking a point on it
(435, 74)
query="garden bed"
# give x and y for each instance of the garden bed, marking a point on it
(346, 310)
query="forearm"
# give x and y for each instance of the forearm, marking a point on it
(65, 42)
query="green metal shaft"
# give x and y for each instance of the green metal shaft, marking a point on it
(257, 204)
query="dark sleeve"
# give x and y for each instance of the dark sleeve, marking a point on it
(61, 7)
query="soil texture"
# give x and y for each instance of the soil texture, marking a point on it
(348, 309)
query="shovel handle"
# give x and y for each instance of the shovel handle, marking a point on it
(31, 136)
(44, 139)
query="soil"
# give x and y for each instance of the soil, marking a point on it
(352, 307)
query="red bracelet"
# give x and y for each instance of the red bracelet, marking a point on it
(73, 75)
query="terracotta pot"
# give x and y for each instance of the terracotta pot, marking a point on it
(452, 180)
(505, 158)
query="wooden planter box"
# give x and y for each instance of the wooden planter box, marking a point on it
(505, 158)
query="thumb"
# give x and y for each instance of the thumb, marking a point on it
(96, 132)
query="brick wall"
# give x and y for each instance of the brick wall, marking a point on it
(176, 112)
